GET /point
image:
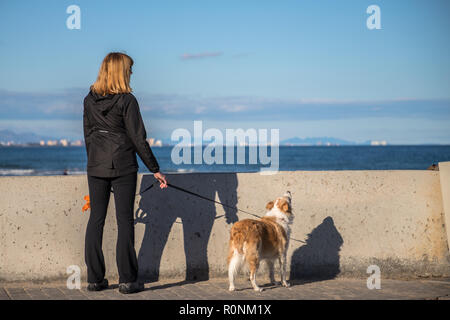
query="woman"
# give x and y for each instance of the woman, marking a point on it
(113, 133)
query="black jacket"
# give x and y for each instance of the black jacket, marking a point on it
(113, 133)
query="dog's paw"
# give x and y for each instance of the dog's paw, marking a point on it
(258, 289)
(231, 289)
(286, 284)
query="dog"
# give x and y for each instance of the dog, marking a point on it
(252, 241)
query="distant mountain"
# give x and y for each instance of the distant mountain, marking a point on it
(26, 137)
(327, 141)
(314, 141)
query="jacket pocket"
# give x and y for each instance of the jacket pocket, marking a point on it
(125, 161)
(99, 152)
(124, 155)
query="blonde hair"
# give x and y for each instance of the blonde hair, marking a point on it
(114, 74)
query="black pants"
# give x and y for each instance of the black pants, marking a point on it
(124, 190)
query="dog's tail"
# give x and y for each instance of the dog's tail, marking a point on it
(236, 251)
(237, 238)
(235, 261)
(235, 248)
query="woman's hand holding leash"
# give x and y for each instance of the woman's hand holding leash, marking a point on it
(162, 179)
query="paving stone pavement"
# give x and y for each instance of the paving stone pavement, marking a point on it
(217, 289)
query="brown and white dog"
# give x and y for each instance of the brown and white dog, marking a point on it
(252, 241)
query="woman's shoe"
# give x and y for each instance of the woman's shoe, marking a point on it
(97, 286)
(130, 287)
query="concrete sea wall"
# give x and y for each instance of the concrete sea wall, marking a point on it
(347, 220)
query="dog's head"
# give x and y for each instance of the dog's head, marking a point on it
(283, 205)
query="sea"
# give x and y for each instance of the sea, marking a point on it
(59, 160)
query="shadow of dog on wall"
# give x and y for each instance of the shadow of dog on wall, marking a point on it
(318, 259)
(159, 209)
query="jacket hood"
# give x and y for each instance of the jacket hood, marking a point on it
(103, 103)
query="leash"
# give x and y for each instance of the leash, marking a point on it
(208, 199)
(194, 194)
(204, 198)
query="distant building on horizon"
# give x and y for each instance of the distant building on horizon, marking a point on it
(76, 143)
(378, 143)
(52, 142)
(64, 142)
(154, 143)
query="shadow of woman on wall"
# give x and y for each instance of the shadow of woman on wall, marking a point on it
(159, 209)
(319, 257)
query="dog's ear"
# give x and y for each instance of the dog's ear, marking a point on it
(269, 205)
(285, 207)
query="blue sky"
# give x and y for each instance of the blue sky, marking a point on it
(309, 68)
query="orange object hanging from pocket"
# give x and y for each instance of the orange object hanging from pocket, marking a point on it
(87, 205)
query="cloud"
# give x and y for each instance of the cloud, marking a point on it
(68, 104)
(233, 108)
(189, 56)
(60, 104)
(263, 109)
